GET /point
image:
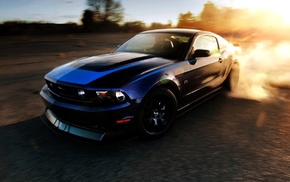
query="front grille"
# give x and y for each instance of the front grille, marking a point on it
(77, 95)
(66, 91)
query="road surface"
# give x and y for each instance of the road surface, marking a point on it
(224, 139)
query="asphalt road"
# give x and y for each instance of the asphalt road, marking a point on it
(223, 139)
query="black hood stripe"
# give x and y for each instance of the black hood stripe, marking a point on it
(109, 61)
(94, 67)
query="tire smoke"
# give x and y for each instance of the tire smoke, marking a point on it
(264, 69)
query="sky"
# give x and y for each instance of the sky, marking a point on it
(148, 11)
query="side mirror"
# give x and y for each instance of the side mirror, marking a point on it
(201, 53)
(198, 53)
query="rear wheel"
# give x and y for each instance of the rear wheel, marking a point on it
(157, 113)
(231, 83)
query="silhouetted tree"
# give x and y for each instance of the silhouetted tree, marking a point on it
(156, 25)
(186, 20)
(36, 28)
(88, 20)
(135, 26)
(106, 10)
(210, 16)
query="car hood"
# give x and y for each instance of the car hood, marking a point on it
(108, 70)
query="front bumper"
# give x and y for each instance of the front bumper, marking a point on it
(94, 123)
(52, 121)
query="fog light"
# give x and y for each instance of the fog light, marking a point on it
(103, 94)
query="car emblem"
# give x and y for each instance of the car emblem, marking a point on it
(60, 87)
(81, 92)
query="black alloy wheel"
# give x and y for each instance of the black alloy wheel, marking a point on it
(157, 114)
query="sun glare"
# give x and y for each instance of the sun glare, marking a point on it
(285, 14)
(277, 6)
(281, 9)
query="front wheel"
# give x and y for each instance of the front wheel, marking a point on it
(157, 113)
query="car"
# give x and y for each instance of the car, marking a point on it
(141, 86)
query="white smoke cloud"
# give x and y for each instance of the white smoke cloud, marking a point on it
(264, 67)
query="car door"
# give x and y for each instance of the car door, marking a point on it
(205, 72)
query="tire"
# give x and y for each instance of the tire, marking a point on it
(231, 83)
(157, 113)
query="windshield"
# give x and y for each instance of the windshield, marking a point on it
(167, 45)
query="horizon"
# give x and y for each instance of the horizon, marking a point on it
(150, 11)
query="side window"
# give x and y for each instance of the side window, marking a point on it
(223, 43)
(206, 42)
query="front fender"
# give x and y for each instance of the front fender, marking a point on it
(138, 88)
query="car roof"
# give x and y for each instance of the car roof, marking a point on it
(177, 30)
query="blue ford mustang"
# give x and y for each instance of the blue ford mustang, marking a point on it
(140, 86)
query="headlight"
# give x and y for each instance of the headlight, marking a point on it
(118, 96)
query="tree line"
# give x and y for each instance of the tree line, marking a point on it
(238, 22)
(108, 16)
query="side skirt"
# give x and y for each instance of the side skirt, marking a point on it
(198, 101)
